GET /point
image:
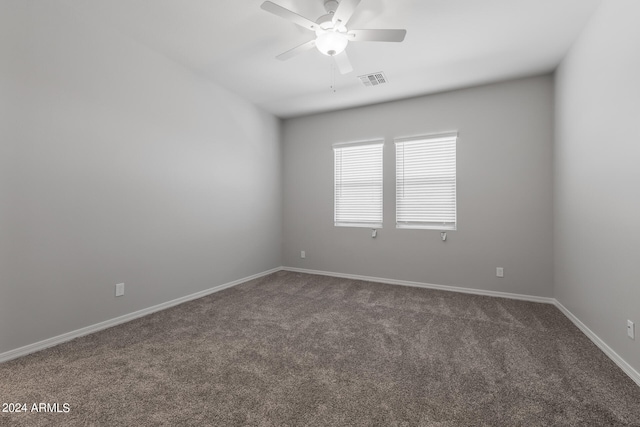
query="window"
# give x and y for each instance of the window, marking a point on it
(426, 182)
(358, 184)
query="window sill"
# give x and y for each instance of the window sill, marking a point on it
(358, 225)
(427, 227)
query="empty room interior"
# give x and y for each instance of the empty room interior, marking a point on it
(319, 212)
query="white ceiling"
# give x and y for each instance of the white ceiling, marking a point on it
(450, 44)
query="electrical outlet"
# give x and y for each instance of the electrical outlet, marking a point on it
(631, 330)
(119, 289)
(303, 254)
(499, 272)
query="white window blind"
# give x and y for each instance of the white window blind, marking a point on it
(358, 184)
(426, 182)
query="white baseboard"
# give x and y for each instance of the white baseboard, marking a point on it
(531, 298)
(622, 364)
(50, 342)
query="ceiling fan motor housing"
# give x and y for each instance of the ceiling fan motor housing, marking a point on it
(324, 22)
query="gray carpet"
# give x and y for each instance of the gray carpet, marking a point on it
(298, 349)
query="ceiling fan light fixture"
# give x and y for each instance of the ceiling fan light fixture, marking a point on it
(331, 43)
(332, 36)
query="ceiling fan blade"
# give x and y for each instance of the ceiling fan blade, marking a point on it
(343, 63)
(377, 35)
(289, 15)
(297, 50)
(345, 11)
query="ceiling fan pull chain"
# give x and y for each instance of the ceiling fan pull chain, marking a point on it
(333, 78)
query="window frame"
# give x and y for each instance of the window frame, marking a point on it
(338, 220)
(452, 223)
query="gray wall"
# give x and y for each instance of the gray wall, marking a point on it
(117, 165)
(597, 177)
(504, 190)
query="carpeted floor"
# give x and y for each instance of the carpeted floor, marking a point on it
(297, 349)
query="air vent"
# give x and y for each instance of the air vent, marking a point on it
(374, 79)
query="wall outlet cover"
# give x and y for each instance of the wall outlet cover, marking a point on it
(120, 289)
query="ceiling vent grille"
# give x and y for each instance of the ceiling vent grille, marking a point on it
(374, 79)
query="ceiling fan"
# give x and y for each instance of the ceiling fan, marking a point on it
(332, 35)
